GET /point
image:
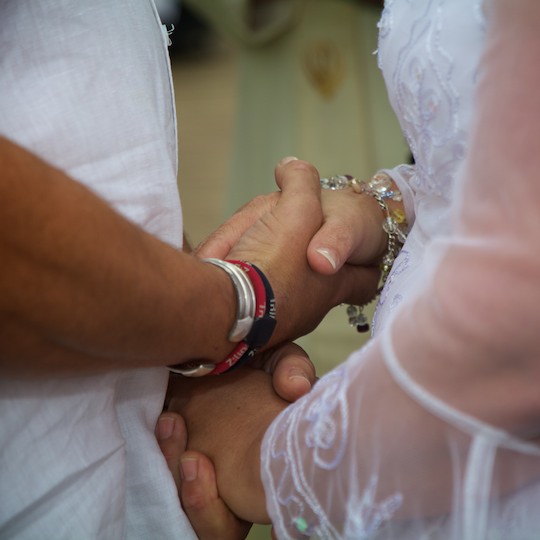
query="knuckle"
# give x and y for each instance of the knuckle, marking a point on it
(194, 501)
(258, 202)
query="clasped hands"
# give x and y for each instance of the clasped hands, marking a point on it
(318, 249)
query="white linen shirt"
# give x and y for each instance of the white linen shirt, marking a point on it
(87, 87)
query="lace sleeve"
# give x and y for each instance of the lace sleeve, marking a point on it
(422, 433)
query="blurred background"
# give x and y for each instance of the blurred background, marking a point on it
(257, 80)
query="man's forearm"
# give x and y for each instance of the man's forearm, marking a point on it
(77, 275)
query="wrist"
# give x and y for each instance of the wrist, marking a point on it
(382, 189)
(375, 234)
(248, 499)
(253, 325)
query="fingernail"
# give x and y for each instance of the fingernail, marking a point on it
(328, 255)
(190, 469)
(165, 428)
(301, 381)
(286, 160)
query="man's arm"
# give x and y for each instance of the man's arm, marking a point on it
(83, 289)
(79, 278)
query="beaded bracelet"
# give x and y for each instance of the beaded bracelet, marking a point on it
(394, 225)
(256, 293)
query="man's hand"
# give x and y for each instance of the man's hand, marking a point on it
(351, 231)
(226, 418)
(293, 375)
(195, 479)
(278, 243)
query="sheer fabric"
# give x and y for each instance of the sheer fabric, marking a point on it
(429, 432)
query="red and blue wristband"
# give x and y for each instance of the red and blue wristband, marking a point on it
(262, 328)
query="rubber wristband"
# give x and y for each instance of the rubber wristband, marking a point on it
(263, 327)
(260, 333)
(247, 348)
(239, 352)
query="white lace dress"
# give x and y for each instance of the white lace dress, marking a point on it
(429, 431)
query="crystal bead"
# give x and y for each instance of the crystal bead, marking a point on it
(334, 183)
(380, 182)
(398, 215)
(301, 524)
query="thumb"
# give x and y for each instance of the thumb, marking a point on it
(300, 201)
(352, 232)
(293, 373)
(330, 247)
(207, 512)
(291, 223)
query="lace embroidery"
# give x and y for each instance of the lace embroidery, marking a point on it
(297, 500)
(423, 89)
(329, 419)
(400, 266)
(326, 435)
(311, 444)
(366, 516)
(416, 54)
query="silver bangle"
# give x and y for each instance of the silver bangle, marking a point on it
(192, 369)
(245, 295)
(245, 317)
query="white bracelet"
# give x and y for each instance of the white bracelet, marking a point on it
(245, 295)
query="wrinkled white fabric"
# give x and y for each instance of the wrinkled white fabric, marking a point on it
(429, 431)
(86, 86)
